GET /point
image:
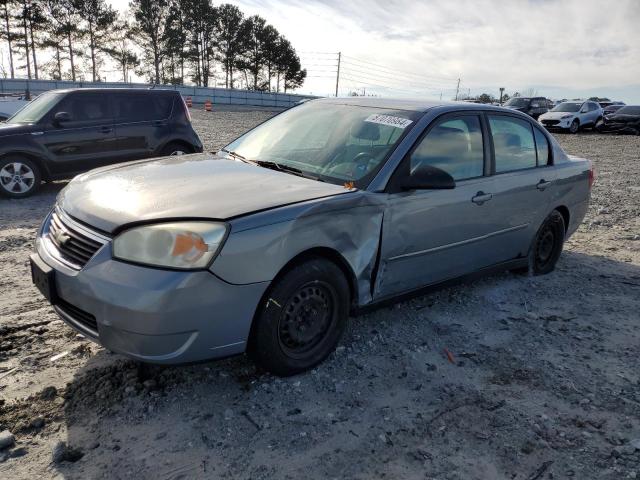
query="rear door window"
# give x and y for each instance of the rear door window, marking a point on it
(453, 145)
(513, 143)
(141, 107)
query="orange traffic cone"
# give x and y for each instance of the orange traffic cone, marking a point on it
(189, 102)
(207, 106)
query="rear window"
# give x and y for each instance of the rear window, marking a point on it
(139, 107)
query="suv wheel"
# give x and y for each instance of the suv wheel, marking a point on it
(301, 318)
(19, 177)
(174, 149)
(575, 126)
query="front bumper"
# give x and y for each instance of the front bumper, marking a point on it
(151, 314)
(556, 124)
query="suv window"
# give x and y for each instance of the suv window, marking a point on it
(84, 107)
(140, 107)
(453, 145)
(542, 148)
(513, 143)
(593, 107)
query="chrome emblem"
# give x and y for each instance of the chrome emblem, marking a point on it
(61, 238)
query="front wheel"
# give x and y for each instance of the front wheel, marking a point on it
(575, 126)
(173, 149)
(301, 318)
(547, 244)
(19, 176)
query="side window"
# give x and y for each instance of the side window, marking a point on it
(594, 107)
(88, 108)
(140, 107)
(542, 148)
(513, 143)
(453, 145)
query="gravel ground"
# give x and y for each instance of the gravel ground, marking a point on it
(509, 377)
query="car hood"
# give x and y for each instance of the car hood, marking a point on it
(555, 115)
(7, 129)
(189, 186)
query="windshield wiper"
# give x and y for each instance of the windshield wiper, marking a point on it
(236, 155)
(273, 166)
(285, 168)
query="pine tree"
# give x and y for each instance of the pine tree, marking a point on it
(98, 21)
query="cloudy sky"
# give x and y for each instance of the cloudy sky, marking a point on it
(559, 48)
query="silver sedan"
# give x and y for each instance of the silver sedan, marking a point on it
(335, 205)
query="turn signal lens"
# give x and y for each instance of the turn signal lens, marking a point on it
(184, 245)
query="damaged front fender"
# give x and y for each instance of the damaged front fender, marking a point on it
(261, 245)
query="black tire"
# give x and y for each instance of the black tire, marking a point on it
(547, 244)
(19, 176)
(174, 148)
(301, 319)
(575, 126)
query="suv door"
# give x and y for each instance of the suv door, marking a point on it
(83, 142)
(522, 184)
(429, 236)
(141, 123)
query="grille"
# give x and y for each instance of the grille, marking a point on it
(77, 317)
(550, 122)
(70, 244)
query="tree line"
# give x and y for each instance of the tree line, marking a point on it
(163, 41)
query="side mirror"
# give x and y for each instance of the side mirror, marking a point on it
(61, 117)
(427, 177)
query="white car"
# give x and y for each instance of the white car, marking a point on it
(572, 116)
(10, 105)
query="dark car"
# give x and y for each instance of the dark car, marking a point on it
(611, 109)
(625, 120)
(65, 132)
(532, 106)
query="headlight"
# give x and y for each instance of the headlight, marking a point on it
(183, 245)
(564, 117)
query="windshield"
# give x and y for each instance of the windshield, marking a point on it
(567, 107)
(329, 142)
(518, 102)
(35, 110)
(632, 110)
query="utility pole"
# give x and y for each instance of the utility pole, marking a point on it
(501, 92)
(338, 73)
(457, 89)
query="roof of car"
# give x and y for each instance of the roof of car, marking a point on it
(114, 89)
(416, 105)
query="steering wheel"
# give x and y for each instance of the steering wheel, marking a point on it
(362, 158)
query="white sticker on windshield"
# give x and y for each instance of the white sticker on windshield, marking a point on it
(390, 120)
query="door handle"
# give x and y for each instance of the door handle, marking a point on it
(481, 197)
(106, 129)
(542, 184)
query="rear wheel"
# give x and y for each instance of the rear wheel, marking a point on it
(575, 126)
(547, 244)
(19, 176)
(173, 148)
(301, 319)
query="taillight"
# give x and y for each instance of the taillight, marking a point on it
(186, 109)
(592, 174)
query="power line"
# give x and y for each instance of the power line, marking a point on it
(392, 70)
